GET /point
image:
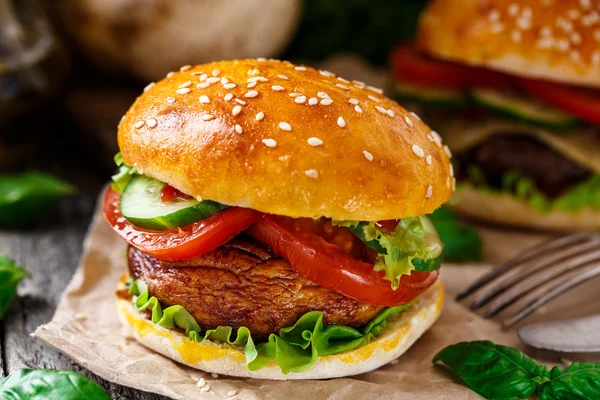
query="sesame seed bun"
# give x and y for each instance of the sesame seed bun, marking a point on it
(398, 336)
(286, 140)
(505, 209)
(553, 40)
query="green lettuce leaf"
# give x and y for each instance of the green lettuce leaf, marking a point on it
(295, 349)
(123, 175)
(582, 195)
(413, 245)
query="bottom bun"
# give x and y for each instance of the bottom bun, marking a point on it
(505, 209)
(401, 332)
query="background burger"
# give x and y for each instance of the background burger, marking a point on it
(275, 216)
(513, 87)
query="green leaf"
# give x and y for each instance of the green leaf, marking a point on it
(461, 243)
(580, 381)
(295, 349)
(39, 384)
(10, 276)
(494, 371)
(414, 244)
(123, 175)
(26, 197)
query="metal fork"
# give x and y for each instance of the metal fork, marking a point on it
(508, 282)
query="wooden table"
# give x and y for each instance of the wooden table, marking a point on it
(51, 253)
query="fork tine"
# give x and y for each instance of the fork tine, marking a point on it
(521, 258)
(547, 275)
(549, 259)
(552, 293)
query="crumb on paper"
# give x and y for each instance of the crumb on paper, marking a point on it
(232, 393)
(201, 382)
(214, 375)
(80, 316)
(205, 388)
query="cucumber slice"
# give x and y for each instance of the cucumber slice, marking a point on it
(141, 205)
(428, 95)
(526, 109)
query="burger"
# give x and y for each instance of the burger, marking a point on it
(276, 221)
(513, 87)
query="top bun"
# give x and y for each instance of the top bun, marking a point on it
(286, 140)
(547, 39)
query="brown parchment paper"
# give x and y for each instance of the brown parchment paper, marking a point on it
(86, 328)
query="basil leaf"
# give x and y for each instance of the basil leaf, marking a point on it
(26, 197)
(10, 276)
(580, 381)
(39, 384)
(461, 243)
(494, 371)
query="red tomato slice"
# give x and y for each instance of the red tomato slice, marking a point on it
(327, 265)
(411, 65)
(186, 242)
(579, 102)
(169, 193)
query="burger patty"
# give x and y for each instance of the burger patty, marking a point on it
(551, 171)
(244, 284)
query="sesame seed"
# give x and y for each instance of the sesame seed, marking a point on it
(152, 123)
(277, 88)
(230, 86)
(203, 85)
(597, 35)
(238, 128)
(260, 116)
(494, 15)
(208, 117)
(375, 89)
(215, 72)
(497, 28)
(228, 96)
(448, 182)
(391, 114)
(300, 68)
(312, 173)
(341, 123)
(513, 9)
(214, 375)
(342, 86)
(148, 86)
(236, 110)
(270, 142)
(573, 13)
(454, 184)
(201, 382)
(375, 99)
(322, 95)
(251, 94)
(591, 18)
(516, 36)
(448, 152)
(313, 141)
(170, 74)
(381, 109)
(139, 124)
(261, 59)
(185, 85)
(251, 84)
(353, 101)
(358, 109)
(596, 57)
(585, 4)
(437, 139)
(575, 56)
(284, 126)
(204, 99)
(428, 160)
(451, 170)
(205, 388)
(326, 102)
(409, 121)
(183, 91)
(576, 38)
(295, 94)
(240, 101)
(429, 192)
(203, 77)
(253, 79)
(418, 151)
(300, 100)
(563, 45)
(170, 100)
(231, 393)
(359, 83)
(343, 80)
(368, 155)
(415, 115)
(262, 79)
(185, 68)
(282, 76)
(213, 80)
(313, 101)
(196, 73)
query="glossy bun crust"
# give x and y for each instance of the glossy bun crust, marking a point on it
(287, 140)
(546, 39)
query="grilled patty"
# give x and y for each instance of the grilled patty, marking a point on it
(244, 284)
(551, 171)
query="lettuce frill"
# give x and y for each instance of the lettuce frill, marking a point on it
(295, 349)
